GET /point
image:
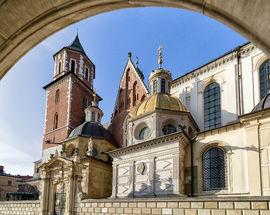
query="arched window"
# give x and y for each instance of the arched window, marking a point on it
(72, 66)
(163, 82)
(59, 68)
(168, 129)
(93, 116)
(57, 96)
(87, 74)
(155, 86)
(134, 93)
(85, 102)
(144, 132)
(264, 73)
(212, 110)
(214, 169)
(55, 121)
(142, 98)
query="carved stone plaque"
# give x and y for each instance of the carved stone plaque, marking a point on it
(141, 168)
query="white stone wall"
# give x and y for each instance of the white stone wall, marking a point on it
(233, 142)
(163, 171)
(223, 71)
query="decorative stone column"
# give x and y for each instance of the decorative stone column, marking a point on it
(114, 181)
(70, 192)
(44, 201)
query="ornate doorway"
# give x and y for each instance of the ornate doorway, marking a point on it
(59, 203)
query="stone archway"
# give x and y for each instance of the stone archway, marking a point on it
(23, 25)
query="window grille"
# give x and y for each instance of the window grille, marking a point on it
(264, 74)
(214, 169)
(212, 109)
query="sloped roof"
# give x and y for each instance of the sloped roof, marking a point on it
(76, 45)
(263, 104)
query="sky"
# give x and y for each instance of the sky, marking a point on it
(189, 40)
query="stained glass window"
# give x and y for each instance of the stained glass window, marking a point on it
(212, 110)
(264, 78)
(168, 129)
(214, 169)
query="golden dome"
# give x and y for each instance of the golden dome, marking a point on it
(160, 101)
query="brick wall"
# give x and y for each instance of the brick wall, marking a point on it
(179, 206)
(20, 207)
(131, 93)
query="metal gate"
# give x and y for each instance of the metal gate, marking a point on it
(59, 203)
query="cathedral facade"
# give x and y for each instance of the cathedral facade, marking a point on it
(204, 133)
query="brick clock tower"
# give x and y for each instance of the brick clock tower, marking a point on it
(70, 92)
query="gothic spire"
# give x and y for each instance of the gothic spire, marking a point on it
(76, 45)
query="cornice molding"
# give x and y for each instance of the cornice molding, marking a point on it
(217, 63)
(149, 144)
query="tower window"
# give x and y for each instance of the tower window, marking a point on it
(264, 73)
(212, 109)
(155, 86)
(55, 121)
(9, 183)
(134, 93)
(87, 73)
(163, 82)
(214, 169)
(85, 102)
(59, 67)
(168, 129)
(144, 133)
(72, 66)
(93, 116)
(57, 96)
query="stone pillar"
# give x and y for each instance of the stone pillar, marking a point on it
(176, 174)
(181, 169)
(131, 179)
(70, 192)
(152, 175)
(252, 159)
(114, 181)
(44, 201)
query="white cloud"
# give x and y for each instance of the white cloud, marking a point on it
(15, 160)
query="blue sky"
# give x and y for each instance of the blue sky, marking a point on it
(189, 40)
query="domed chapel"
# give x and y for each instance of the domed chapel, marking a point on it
(205, 133)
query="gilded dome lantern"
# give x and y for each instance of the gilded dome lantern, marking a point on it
(160, 79)
(161, 113)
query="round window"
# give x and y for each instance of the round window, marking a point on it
(168, 129)
(144, 133)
